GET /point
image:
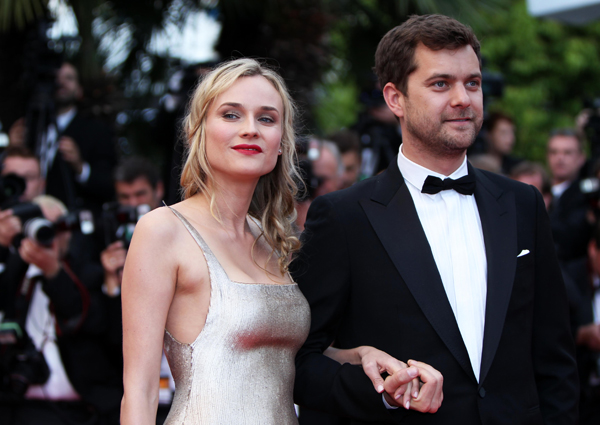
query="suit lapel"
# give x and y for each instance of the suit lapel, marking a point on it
(392, 214)
(498, 222)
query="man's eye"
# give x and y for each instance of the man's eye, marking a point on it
(473, 83)
(440, 84)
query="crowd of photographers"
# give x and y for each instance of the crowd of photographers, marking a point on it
(68, 211)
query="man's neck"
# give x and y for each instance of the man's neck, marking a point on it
(556, 182)
(61, 110)
(445, 165)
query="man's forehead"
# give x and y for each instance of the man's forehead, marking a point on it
(564, 141)
(438, 61)
(17, 163)
(136, 184)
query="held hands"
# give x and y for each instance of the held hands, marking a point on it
(416, 386)
(70, 153)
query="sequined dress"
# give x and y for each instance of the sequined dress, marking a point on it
(240, 369)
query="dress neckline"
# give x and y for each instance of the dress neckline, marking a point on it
(208, 251)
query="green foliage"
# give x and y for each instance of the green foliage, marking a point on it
(18, 13)
(353, 39)
(337, 106)
(549, 68)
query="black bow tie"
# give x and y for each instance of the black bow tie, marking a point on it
(465, 185)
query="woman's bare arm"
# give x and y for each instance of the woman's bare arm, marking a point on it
(149, 283)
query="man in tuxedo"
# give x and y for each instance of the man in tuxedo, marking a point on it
(569, 208)
(436, 261)
(76, 154)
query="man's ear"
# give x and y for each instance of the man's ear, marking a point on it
(394, 99)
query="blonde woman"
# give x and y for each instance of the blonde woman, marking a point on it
(208, 276)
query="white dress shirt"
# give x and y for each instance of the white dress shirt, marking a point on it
(49, 145)
(40, 325)
(453, 229)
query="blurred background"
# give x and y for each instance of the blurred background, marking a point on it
(135, 59)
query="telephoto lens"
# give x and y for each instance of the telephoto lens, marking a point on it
(40, 230)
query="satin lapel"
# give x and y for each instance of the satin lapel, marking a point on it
(392, 214)
(498, 221)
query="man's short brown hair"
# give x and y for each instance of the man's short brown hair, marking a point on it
(395, 56)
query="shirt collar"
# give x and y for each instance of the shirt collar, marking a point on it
(63, 120)
(416, 174)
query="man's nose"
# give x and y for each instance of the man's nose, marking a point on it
(460, 97)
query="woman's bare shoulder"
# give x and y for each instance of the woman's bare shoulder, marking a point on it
(157, 224)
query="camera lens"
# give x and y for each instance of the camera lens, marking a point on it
(40, 230)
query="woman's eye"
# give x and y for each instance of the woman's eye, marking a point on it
(230, 116)
(267, 120)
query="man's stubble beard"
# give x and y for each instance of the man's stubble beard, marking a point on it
(436, 139)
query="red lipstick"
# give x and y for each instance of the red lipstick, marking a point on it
(247, 149)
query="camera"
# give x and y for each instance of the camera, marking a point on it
(43, 231)
(11, 189)
(21, 364)
(119, 221)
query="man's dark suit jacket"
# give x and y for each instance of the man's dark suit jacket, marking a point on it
(570, 227)
(368, 273)
(96, 145)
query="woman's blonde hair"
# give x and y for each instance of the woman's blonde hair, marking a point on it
(273, 200)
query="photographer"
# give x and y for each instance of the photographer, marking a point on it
(137, 183)
(77, 153)
(20, 162)
(58, 302)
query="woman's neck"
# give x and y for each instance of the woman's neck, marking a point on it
(231, 205)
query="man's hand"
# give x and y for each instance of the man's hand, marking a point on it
(430, 395)
(589, 335)
(70, 153)
(10, 226)
(47, 259)
(113, 261)
(17, 133)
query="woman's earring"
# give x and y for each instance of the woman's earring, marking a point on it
(279, 151)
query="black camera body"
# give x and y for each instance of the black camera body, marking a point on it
(42, 230)
(21, 364)
(119, 221)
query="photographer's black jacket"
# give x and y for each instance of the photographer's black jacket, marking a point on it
(78, 306)
(96, 146)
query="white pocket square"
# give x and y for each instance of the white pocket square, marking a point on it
(524, 252)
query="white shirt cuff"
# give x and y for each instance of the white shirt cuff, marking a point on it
(85, 173)
(115, 292)
(387, 405)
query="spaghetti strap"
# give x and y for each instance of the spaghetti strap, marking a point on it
(211, 258)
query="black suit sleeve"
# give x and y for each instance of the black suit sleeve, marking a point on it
(322, 271)
(102, 158)
(552, 345)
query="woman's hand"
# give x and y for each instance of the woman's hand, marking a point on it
(429, 394)
(405, 384)
(416, 386)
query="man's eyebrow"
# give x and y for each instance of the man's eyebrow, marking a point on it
(441, 77)
(451, 76)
